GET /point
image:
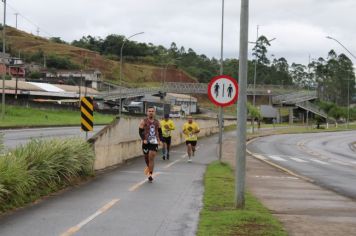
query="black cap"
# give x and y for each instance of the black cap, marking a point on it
(166, 115)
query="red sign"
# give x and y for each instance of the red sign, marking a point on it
(223, 90)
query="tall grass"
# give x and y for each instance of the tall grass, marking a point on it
(41, 167)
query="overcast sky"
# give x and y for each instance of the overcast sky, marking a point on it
(299, 26)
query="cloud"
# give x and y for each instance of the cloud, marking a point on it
(300, 26)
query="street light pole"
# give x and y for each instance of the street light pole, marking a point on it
(348, 102)
(328, 37)
(348, 82)
(255, 78)
(121, 59)
(3, 60)
(254, 84)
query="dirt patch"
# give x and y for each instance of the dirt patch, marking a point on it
(171, 75)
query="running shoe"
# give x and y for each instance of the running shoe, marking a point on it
(168, 156)
(189, 160)
(164, 157)
(150, 179)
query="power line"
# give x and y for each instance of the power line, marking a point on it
(29, 21)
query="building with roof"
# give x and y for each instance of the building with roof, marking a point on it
(188, 103)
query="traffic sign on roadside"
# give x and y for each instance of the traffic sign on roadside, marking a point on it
(87, 113)
(223, 90)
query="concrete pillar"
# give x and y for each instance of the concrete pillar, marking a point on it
(291, 116)
(279, 116)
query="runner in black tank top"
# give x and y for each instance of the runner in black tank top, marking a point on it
(151, 135)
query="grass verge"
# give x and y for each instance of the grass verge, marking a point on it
(219, 216)
(16, 116)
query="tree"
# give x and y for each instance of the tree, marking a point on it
(260, 50)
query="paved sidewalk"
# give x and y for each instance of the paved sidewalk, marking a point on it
(303, 207)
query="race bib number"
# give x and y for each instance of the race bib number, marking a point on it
(152, 140)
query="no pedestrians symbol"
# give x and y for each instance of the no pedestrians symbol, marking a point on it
(223, 90)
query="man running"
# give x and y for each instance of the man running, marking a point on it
(167, 126)
(151, 135)
(190, 131)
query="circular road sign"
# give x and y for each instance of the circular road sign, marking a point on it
(223, 90)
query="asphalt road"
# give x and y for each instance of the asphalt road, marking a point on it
(327, 158)
(14, 137)
(122, 202)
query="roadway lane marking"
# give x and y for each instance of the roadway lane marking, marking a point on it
(260, 156)
(274, 177)
(177, 152)
(76, 228)
(340, 162)
(276, 158)
(136, 186)
(176, 161)
(320, 162)
(298, 160)
(171, 164)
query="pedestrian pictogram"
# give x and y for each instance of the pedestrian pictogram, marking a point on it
(223, 90)
(87, 113)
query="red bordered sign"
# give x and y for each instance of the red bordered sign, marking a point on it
(223, 90)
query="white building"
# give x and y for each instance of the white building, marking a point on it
(91, 77)
(187, 103)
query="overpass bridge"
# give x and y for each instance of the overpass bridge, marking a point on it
(282, 96)
(190, 88)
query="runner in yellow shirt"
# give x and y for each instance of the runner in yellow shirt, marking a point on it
(167, 126)
(190, 131)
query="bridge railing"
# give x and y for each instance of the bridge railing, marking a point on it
(296, 97)
(306, 105)
(196, 88)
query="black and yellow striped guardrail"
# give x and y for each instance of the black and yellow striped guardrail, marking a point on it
(87, 113)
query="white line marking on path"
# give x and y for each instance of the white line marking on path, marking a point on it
(275, 177)
(340, 162)
(276, 158)
(298, 160)
(184, 156)
(259, 156)
(320, 162)
(136, 186)
(76, 228)
(171, 164)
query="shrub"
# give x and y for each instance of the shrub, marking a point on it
(41, 167)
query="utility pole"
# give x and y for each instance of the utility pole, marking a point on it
(3, 60)
(254, 84)
(121, 59)
(221, 73)
(38, 31)
(16, 14)
(242, 109)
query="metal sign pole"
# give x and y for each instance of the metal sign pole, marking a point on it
(221, 72)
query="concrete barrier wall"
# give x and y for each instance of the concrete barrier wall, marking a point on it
(120, 141)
